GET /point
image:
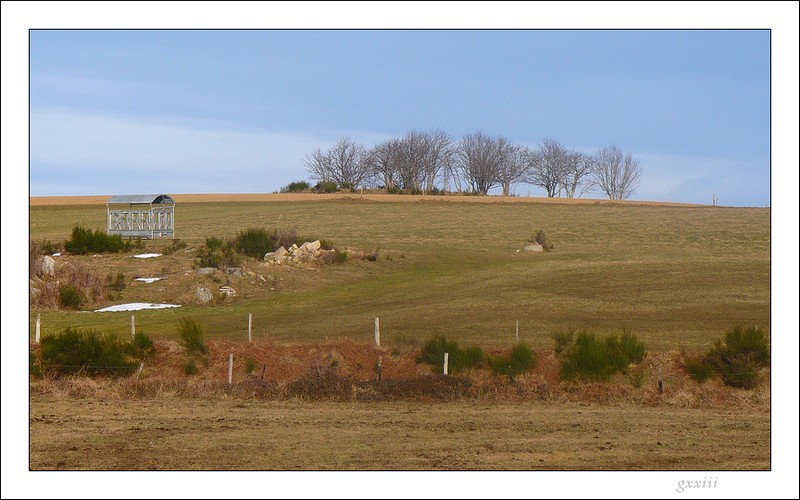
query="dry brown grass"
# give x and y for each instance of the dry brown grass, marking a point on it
(372, 196)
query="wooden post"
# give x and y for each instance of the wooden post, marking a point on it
(377, 332)
(38, 326)
(446, 355)
(133, 327)
(263, 371)
(250, 327)
(139, 370)
(380, 367)
(517, 331)
(660, 382)
(230, 369)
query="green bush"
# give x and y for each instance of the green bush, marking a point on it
(91, 353)
(69, 297)
(739, 356)
(255, 242)
(296, 187)
(326, 187)
(520, 360)
(698, 369)
(191, 336)
(249, 365)
(141, 346)
(85, 241)
(175, 245)
(563, 340)
(598, 359)
(433, 351)
(217, 253)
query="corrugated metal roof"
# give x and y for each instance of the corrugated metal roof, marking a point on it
(140, 199)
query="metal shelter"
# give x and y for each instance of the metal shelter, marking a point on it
(141, 216)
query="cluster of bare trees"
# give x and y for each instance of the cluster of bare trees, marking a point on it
(422, 161)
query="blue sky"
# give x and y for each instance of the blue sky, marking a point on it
(184, 111)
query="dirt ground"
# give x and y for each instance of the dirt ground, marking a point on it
(232, 434)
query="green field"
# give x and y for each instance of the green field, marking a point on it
(677, 277)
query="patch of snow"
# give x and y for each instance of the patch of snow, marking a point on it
(57, 254)
(135, 306)
(147, 255)
(149, 280)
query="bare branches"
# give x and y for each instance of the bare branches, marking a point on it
(616, 175)
(347, 164)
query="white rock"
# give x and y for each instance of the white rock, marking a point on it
(204, 295)
(533, 247)
(48, 265)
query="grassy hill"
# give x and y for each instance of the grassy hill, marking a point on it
(676, 276)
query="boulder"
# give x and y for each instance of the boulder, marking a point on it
(204, 295)
(533, 247)
(48, 266)
(312, 246)
(234, 271)
(206, 270)
(227, 291)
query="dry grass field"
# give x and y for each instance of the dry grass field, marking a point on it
(678, 277)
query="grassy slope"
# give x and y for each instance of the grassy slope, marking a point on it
(678, 277)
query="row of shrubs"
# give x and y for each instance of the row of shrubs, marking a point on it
(255, 243)
(84, 241)
(332, 187)
(737, 358)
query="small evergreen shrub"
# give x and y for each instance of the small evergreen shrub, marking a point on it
(520, 360)
(217, 253)
(739, 356)
(326, 187)
(249, 365)
(433, 351)
(191, 336)
(141, 346)
(698, 369)
(563, 340)
(90, 352)
(84, 241)
(254, 242)
(296, 187)
(69, 297)
(598, 359)
(175, 245)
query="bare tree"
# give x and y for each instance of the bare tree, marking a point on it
(436, 157)
(514, 165)
(385, 159)
(479, 158)
(615, 174)
(576, 177)
(547, 166)
(346, 163)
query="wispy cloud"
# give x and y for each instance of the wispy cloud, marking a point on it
(79, 153)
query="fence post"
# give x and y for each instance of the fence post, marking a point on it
(446, 355)
(380, 367)
(263, 371)
(38, 326)
(250, 327)
(660, 382)
(230, 369)
(139, 370)
(133, 327)
(377, 332)
(517, 331)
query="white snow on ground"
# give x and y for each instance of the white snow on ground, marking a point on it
(135, 306)
(147, 255)
(57, 254)
(149, 280)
